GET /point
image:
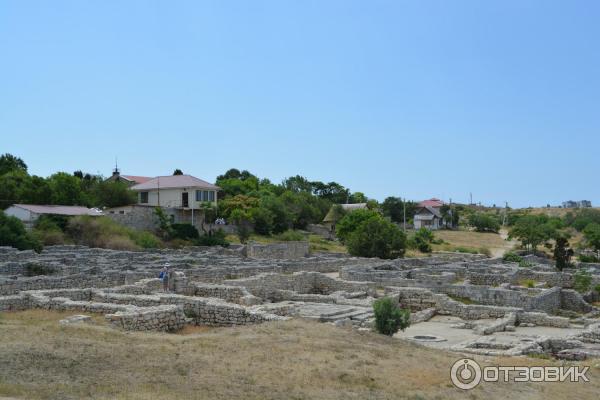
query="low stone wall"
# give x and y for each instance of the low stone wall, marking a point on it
(320, 230)
(266, 286)
(137, 217)
(160, 318)
(106, 279)
(285, 250)
(543, 319)
(14, 303)
(574, 301)
(530, 299)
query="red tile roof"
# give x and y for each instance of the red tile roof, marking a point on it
(137, 179)
(435, 203)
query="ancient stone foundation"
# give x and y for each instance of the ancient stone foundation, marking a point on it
(484, 298)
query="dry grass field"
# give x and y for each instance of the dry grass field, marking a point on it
(495, 243)
(39, 359)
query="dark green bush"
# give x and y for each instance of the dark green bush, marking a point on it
(33, 269)
(511, 256)
(13, 233)
(582, 281)
(422, 240)
(216, 238)
(588, 258)
(184, 231)
(376, 237)
(290, 236)
(389, 318)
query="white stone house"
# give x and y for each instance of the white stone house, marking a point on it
(176, 191)
(180, 196)
(29, 213)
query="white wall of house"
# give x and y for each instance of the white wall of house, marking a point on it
(173, 197)
(27, 217)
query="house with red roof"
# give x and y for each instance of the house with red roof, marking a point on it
(429, 214)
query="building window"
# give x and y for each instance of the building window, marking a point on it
(205, 195)
(143, 197)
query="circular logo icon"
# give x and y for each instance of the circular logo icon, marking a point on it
(465, 374)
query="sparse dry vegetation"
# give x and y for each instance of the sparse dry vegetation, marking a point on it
(485, 243)
(39, 359)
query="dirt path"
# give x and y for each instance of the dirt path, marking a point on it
(509, 244)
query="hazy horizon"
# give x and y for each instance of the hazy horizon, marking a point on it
(389, 98)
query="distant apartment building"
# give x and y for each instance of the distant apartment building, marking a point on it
(577, 204)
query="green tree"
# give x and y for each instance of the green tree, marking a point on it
(242, 220)
(11, 187)
(351, 221)
(263, 220)
(282, 217)
(210, 212)
(297, 184)
(358, 197)
(111, 194)
(483, 222)
(591, 234)
(13, 233)
(164, 224)
(389, 318)
(332, 191)
(533, 230)
(393, 207)
(178, 172)
(10, 163)
(562, 253)
(66, 189)
(377, 237)
(582, 218)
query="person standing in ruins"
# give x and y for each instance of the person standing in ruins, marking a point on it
(164, 276)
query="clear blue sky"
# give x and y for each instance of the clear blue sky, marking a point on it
(406, 98)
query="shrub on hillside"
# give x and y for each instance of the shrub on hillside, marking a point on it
(184, 231)
(13, 233)
(290, 236)
(511, 256)
(105, 233)
(587, 258)
(422, 240)
(49, 229)
(215, 238)
(377, 237)
(389, 318)
(145, 240)
(525, 264)
(582, 281)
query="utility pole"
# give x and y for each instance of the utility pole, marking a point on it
(404, 225)
(470, 198)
